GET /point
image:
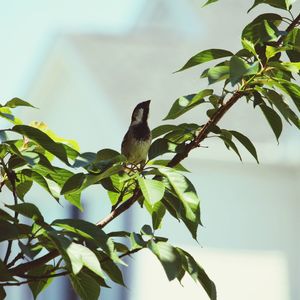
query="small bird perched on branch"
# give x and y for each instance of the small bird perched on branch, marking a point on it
(137, 140)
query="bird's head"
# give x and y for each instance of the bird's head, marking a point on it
(140, 113)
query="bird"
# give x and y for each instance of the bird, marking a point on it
(137, 140)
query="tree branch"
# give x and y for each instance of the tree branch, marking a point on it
(205, 129)
(23, 268)
(34, 279)
(120, 209)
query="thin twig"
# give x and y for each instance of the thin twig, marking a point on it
(33, 279)
(20, 255)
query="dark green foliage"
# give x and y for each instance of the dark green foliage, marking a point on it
(265, 73)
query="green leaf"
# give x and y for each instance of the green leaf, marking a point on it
(105, 158)
(277, 100)
(262, 29)
(293, 67)
(168, 256)
(239, 68)
(38, 286)
(153, 190)
(198, 274)
(230, 145)
(85, 286)
(73, 183)
(137, 241)
(9, 231)
(246, 143)
(158, 213)
(258, 100)
(80, 256)
(15, 102)
(164, 162)
(282, 4)
(162, 146)
(93, 179)
(28, 210)
(22, 188)
(249, 46)
(292, 89)
(84, 159)
(46, 183)
(184, 104)
(59, 175)
(187, 195)
(90, 232)
(146, 230)
(74, 199)
(43, 140)
(6, 113)
(184, 132)
(272, 51)
(217, 73)
(273, 119)
(162, 129)
(112, 270)
(205, 56)
(209, 2)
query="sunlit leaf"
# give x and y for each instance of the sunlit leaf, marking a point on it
(80, 256)
(187, 195)
(239, 68)
(205, 56)
(153, 190)
(217, 73)
(262, 29)
(90, 232)
(43, 140)
(283, 4)
(15, 102)
(184, 104)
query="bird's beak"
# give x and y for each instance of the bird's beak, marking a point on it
(146, 103)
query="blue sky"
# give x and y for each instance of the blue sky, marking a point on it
(28, 27)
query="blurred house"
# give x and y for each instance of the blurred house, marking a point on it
(86, 88)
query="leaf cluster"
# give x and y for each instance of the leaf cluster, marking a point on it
(264, 73)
